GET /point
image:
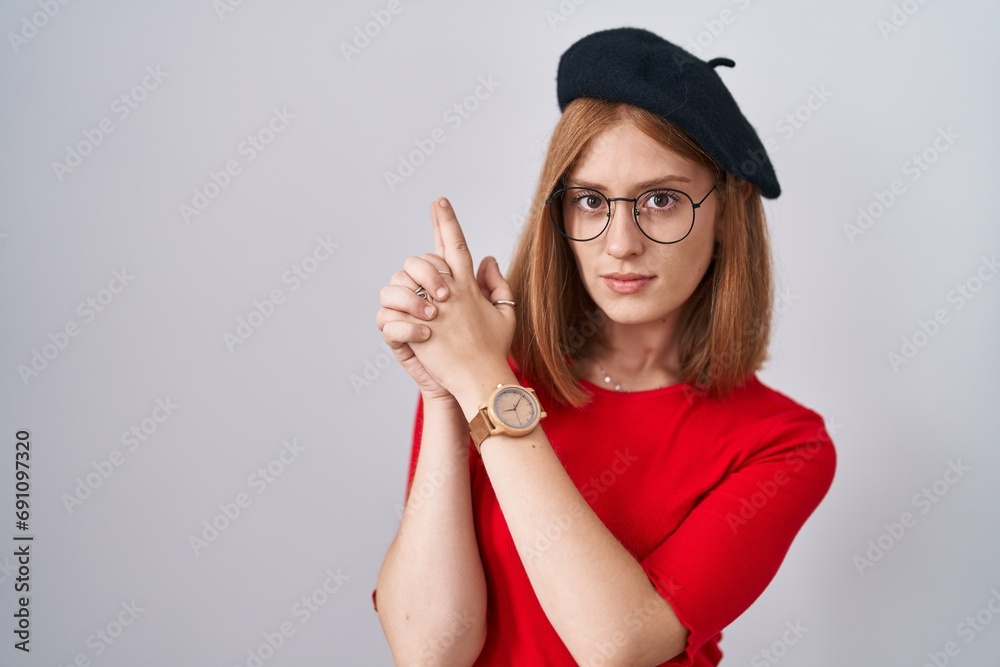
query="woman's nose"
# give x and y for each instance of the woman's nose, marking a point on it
(623, 235)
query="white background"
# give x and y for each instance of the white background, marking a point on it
(848, 301)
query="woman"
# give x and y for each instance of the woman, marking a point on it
(645, 490)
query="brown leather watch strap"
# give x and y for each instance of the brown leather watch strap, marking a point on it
(480, 428)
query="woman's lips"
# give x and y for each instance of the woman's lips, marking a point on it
(627, 286)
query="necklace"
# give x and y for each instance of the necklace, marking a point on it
(607, 380)
(617, 385)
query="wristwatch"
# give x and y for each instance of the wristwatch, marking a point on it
(510, 410)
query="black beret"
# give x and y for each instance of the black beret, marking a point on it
(640, 68)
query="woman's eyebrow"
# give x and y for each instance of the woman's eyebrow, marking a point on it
(578, 183)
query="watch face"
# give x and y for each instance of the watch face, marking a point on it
(515, 407)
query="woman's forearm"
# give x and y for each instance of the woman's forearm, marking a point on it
(431, 588)
(589, 586)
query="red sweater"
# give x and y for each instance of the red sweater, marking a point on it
(707, 495)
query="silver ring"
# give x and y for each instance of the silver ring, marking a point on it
(445, 273)
(421, 292)
(509, 303)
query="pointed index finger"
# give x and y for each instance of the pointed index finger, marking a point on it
(455, 250)
(438, 241)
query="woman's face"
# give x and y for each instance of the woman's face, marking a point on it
(624, 162)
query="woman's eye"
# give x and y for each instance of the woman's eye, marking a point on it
(589, 202)
(661, 199)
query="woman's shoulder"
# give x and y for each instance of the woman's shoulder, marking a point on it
(758, 415)
(773, 420)
(764, 401)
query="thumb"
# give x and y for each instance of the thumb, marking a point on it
(494, 285)
(481, 279)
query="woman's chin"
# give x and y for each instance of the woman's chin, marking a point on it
(631, 314)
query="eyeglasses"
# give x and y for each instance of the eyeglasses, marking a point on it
(582, 214)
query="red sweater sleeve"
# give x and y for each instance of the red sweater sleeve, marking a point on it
(727, 550)
(418, 429)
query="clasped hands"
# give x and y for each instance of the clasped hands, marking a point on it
(449, 349)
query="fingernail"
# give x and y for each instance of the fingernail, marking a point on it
(443, 203)
(442, 292)
(429, 311)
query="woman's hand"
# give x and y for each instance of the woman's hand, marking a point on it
(470, 337)
(402, 317)
(467, 332)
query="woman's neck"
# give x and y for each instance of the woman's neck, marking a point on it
(637, 357)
